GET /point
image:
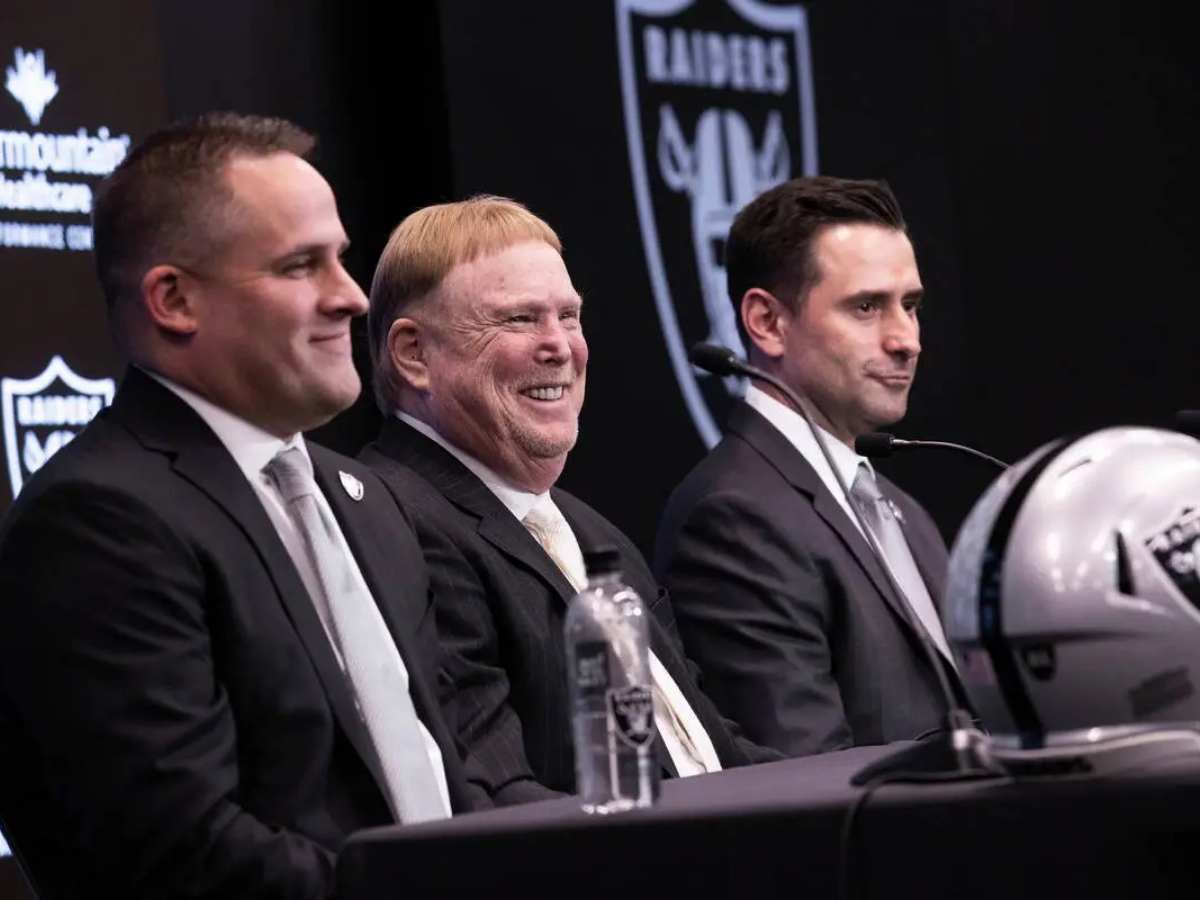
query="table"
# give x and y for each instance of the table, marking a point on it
(775, 830)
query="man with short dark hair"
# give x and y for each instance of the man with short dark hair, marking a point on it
(777, 593)
(216, 658)
(480, 364)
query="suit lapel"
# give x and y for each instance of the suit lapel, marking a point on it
(511, 538)
(163, 422)
(373, 548)
(927, 550)
(381, 557)
(791, 464)
(932, 584)
(497, 525)
(458, 484)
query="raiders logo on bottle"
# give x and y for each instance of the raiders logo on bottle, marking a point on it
(632, 711)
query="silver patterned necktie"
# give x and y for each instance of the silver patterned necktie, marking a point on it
(880, 516)
(370, 658)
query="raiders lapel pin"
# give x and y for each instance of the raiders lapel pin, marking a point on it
(353, 486)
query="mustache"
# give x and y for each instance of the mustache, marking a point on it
(566, 378)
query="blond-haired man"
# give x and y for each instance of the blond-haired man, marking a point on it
(480, 366)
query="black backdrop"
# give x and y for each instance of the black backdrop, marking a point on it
(1044, 154)
(1045, 160)
(1044, 157)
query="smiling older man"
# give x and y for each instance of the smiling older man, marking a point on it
(480, 365)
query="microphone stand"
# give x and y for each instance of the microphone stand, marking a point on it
(960, 747)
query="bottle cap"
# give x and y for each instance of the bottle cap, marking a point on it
(602, 561)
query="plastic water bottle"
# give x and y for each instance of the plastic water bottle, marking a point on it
(612, 702)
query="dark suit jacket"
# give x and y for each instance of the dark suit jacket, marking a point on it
(500, 612)
(173, 721)
(782, 605)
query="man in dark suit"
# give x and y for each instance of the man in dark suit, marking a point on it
(184, 710)
(480, 363)
(778, 596)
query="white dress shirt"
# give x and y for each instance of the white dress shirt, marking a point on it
(519, 503)
(252, 448)
(800, 436)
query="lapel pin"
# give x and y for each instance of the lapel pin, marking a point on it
(353, 486)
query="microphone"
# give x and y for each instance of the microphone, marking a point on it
(959, 746)
(879, 444)
(716, 359)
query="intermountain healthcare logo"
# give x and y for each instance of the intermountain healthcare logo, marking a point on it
(718, 104)
(43, 413)
(45, 174)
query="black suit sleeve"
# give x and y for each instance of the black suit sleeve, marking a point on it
(750, 751)
(103, 619)
(755, 611)
(475, 687)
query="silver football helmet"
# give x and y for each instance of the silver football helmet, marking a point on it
(1073, 600)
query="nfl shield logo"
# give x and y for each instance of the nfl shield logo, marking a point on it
(43, 413)
(718, 104)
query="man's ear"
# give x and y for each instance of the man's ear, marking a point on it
(766, 321)
(168, 301)
(407, 341)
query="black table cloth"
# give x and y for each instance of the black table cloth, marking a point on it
(777, 830)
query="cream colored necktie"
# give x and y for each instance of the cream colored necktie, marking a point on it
(691, 748)
(552, 531)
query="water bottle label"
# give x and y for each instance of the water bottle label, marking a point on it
(632, 711)
(591, 669)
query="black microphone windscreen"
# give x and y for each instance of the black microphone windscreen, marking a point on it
(874, 444)
(716, 359)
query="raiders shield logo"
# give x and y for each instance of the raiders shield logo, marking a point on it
(632, 712)
(43, 413)
(718, 104)
(1176, 549)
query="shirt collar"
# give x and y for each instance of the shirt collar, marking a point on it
(250, 446)
(796, 430)
(517, 501)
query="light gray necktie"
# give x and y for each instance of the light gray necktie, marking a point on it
(371, 660)
(551, 529)
(880, 516)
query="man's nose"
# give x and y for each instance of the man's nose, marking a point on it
(342, 295)
(554, 344)
(902, 334)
